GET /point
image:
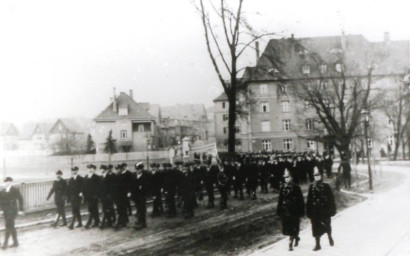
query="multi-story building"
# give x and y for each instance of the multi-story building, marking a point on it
(279, 120)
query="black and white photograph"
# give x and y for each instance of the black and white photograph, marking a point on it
(204, 128)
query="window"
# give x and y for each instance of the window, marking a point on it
(311, 144)
(285, 106)
(225, 130)
(223, 104)
(323, 68)
(339, 67)
(284, 88)
(265, 126)
(286, 125)
(123, 134)
(370, 143)
(288, 144)
(306, 69)
(123, 111)
(309, 124)
(266, 145)
(141, 128)
(391, 140)
(264, 89)
(237, 129)
(264, 107)
(307, 105)
(225, 117)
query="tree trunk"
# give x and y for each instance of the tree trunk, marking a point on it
(403, 145)
(396, 146)
(232, 121)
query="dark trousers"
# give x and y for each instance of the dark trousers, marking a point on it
(141, 204)
(329, 171)
(264, 185)
(60, 212)
(223, 191)
(347, 178)
(210, 193)
(121, 204)
(108, 212)
(10, 230)
(75, 207)
(238, 189)
(93, 211)
(157, 208)
(188, 200)
(170, 203)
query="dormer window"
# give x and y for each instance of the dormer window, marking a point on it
(306, 69)
(323, 68)
(123, 111)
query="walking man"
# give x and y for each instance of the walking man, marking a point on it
(11, 204)
(59, 189)
(75, 194)
(291, 208)
(92, 193)
(320, 207)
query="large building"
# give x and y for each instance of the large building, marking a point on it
(279, 120)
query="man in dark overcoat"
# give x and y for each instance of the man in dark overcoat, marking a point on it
(291, 208)
(92, 193)
(156, 186)
(210, 179)
(187, 190)
(11, 203)
(122, 194)
(75, 196)
(320, 207)
(223, 180)
(59, 189)
(107, 191)
(140, 190)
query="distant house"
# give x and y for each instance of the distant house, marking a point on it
(133, 125)
(66, 136)
(8, 137)
(179, 121)
(35, 138)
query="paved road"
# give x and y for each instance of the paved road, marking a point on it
(378, 226)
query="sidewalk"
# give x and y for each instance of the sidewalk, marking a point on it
(378, 226)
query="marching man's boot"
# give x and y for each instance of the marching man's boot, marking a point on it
(317, 247)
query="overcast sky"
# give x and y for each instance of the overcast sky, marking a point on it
(62, 58)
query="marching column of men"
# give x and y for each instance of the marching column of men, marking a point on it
(182, 185)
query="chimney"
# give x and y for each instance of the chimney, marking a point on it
(343, 41)
(387, 38)
(131, 94)
(114, 102)
(257, 51)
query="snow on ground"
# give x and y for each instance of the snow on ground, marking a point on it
(378, 226)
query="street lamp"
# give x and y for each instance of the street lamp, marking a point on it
(366, 115)
(148, 148)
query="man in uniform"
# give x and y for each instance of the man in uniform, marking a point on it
(187, 191)
(107, 195)
(140, 188)
(91, 194)
(75, 196)
(122, 195)
(291, 208)
(320, 207)
(172, 179)
(157, 185)
(210, 180)
(223, 186)
(10, 198)
(59, 188)
(237, 178)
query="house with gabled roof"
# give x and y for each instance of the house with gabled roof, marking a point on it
(8, 136)
(67, 136)
(34, 138)
(134, 126)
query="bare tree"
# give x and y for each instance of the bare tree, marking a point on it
(394, 107)
(226, 51)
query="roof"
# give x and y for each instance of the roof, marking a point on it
(69, 125)
(8, 129)
(136, 111)
(29, 129)
(185, 112)
(283, 58)
(221, 97)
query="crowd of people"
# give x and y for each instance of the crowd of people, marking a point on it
(181, 185)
